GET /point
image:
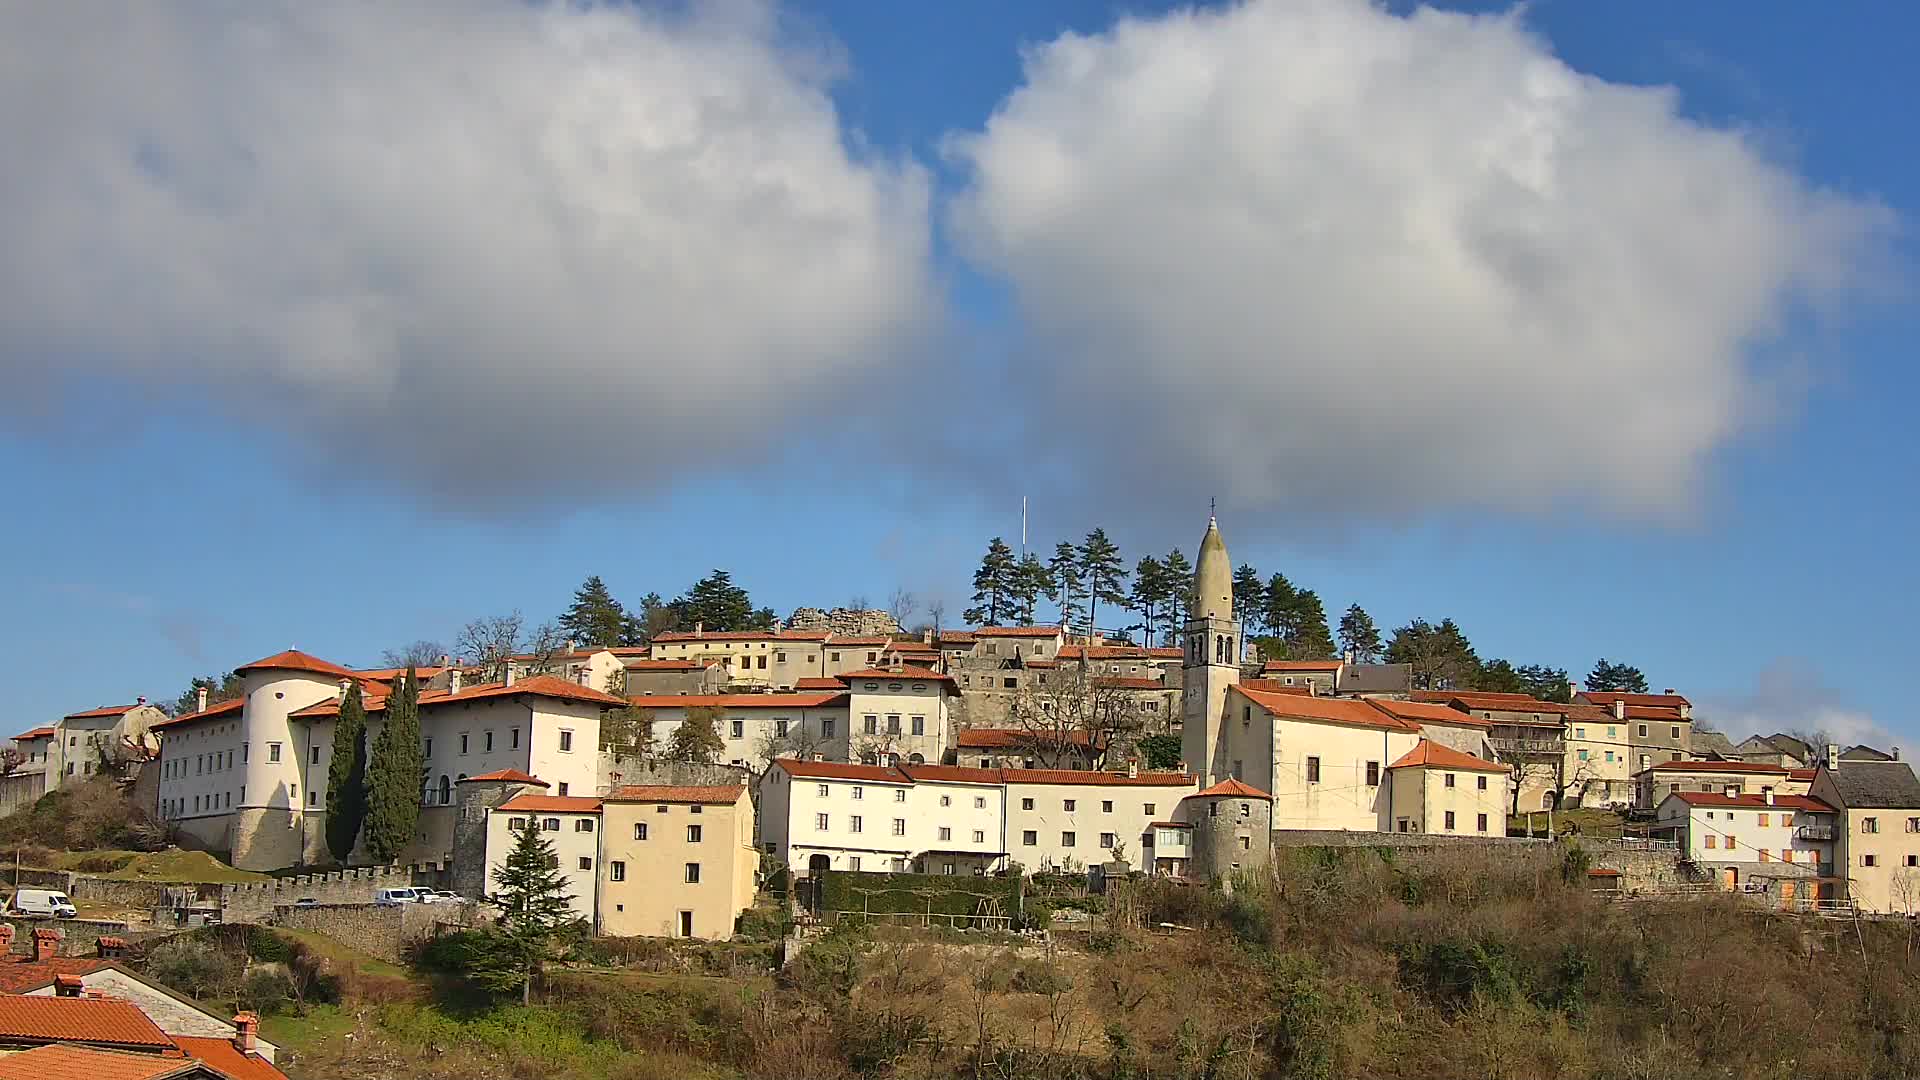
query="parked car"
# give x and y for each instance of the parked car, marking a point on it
(396, 897)
(438, 896)
(48, 902)
(306, 901)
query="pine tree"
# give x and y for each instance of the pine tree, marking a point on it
(595, 618)
(1359, 636)
(1311, 639)
(994, 586)
(1499, 677)
(655, 617)
(1546, 683)
(715, 603)
(1102, 572)
(1616, 678)
(1063, 581)
(1281, 616)
(396, 775)
(697, 739)
(1149, 593)
(1179, 590)
(1031, 581)
(1441, 656)
(534, 903)
(1249, 599)
(347, 776)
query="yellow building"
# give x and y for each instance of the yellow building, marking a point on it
(676, 861)
(1436, 789)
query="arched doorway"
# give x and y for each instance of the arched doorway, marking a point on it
(916, 759)
(817, 863)
(1548, 799)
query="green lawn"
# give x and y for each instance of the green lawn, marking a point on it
(1595, 823)
(344, 956)
(171, 865)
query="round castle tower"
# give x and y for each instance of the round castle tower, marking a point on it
(1232, 829)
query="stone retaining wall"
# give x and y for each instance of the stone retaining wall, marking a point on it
(1340, 838)
(1642, 871)
(79, 936)
(384, 932)
(255, 901)
(131, 895)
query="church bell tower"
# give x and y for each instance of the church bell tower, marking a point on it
(1212, 663)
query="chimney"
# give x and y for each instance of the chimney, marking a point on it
(68, 986)
(246, 1026)
(345, 684)
(1669, 691)
(699, 628)
(586, 675)
(1619, 710)
(46, 944)
(200, 700)
(445, 660)
(6, 937)
(1573, 690)
(1768, 792)
(509, 677)
(453, 680)
(1133, 768)
(1896, 753)
(141, 700)
(1833, 756)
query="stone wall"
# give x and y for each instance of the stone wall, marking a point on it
(79, 937)
(255, 901)
(1340, 838)
(131, 895)
(1641, 871)
(29, 878)
(387, 933)
(21, 790)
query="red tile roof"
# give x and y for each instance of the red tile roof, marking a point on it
(19, 974)
(64, 1061)
(678, 636)
(1431, 755)
(1801, 774)
(1002, 738)
(1493, 702)
(511, 775)
(1016, 631)
(703, 794)
(226, 1058)
(1300, 665)
(99, 1021)
(36, 733)
(1118, 652)
(1275, 686)
(955, 637)
(906, 671)
(1649, 712)
(1603, 697)
(1348, 711)
(536, 685)
(1231, 788)
(811, 700)
(953, 774)
(1426, 712)
(1171, 825)
(1751, 802)
(295, 660)
(663, 665)
(1720, 767)
(387, 675)
(102, 712)
(835, 770)
(819, 682)
(211, 712)
(1087, 778)
(553, 804)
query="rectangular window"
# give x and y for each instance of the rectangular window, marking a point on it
(426, 743)
(1482, 785)
(1763, 821)
(1067, 805)
(1786, 854)
(979, 802)
(822, 790)
(639, 830)
(819, 823)
(1373, 774)
(979, 836)
(919, 725)
(313, 797)
(693, 878)
(946, 800)
(1026, 804)
(273, 751)
(1449, 781)
(1643, 731)
(1106, 806)
(1449, 821)
(513, 738)
(1313, 770)
(1712, 841)
(463, 742)
(899, 826)
(516, 823)
(693, 834)
(826, 729)
(870, 725)
(1148, 809)
(899, 794)
(1870, 825)
(1869, 860)
(1764, 856)
(856, 823)
(313, 758)
(1913, 860)
(486, 741)
(893, 724)
(1029, 838)
(616, 871)
(1066, 839)
(1481, 822)
(737, 729)
(779, 729)
(583, 825)
(1106, 840)
(566, 742)
(853, 862)
(1913, 824)
(586, 863)
(563, 789)
(946, 835)
(1675, 733)
(551, 824)
(243, 753)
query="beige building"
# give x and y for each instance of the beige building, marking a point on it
(1437, 789)
(1599, 765)
(1659, 726)
(756, 728)
(570, 823)
(1451, 728)
(1655, 783)
(1778, 844)
(1321, 675)
(1876, 833)
(1324, 760)
(677, 861)
(71, 749)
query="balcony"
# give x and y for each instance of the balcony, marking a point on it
(1818, 833)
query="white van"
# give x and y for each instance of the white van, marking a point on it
(48, 902)
(396, 897)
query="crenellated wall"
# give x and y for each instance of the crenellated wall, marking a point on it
(254, 902)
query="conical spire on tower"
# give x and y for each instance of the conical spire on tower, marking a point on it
(1212, 576)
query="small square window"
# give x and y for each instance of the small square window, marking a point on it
(616, 871)
(1066, 839)
(693, 873)
(639, 830)
(1029, 838)
(586, 863)
(1026, 804)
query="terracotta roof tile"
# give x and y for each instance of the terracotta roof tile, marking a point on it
(819, 682)
(536, 685)
(99, 1021)
(211, 712)
(1117, 652)
(36, 733)
(1301, 665)
(834, 770)
(1751, 802)
(103, 712)
(387, 675)
(1427, 712)
(1232, 789)
(663, 665)
(64, 1061)
(907, 671)
(1087, 778)
(552, 804)
(1275, 686)
(1719, 767)
(676, 637)
(810, 700)
(1348, 711)
(226, 1058)
(703, 794)
(19, 974)
(295, 660)
(1431, 755)
(1602, 697)
(510, 775)
(954, 774)
(1017, 631)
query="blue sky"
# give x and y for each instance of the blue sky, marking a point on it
(178, 512)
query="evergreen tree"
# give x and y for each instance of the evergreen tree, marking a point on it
(655, 617)
(1359, 636)
(1616, 678)
(1499, 677)
(1546, 683)
(1063, 581)
(1102, 572)
(225, 688)
(994, 587)
(595, 618)
(697, 739)
(1149, 597)
(1249, 599)
(1281, 616)
(1311, 640)
(716, 604)
(1031, 581)
(1159, 751)
(396, 774)
(1441, 656)
(534, 904)
(347, 776)
(1179, 590)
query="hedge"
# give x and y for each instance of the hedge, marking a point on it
(942, 894)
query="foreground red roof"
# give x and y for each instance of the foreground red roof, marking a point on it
(819, 682)
(536, 685)
(1751, 802)
(36, 733)
(700, 794)
(18, 974)
(509, 775)
(1326, 710)
(553, 804)
(64, 1061)
(1233, 789)
(226, 1058)
(97, 1021)
(295, 660)
(1431, 755)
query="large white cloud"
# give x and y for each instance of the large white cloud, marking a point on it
(1790, 695)
(487, 245)
(1309, 254)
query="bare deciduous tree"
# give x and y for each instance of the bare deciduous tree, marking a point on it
(546, 642)
(628, 733)
(417, 654)
(489, 643)
(1076, 716)
(10, 761)
(901, 605)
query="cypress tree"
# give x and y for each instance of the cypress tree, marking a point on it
(395, 776)
(347, 776)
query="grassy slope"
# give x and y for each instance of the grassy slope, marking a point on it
(173, 865)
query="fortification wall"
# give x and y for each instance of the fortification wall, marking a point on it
(1340, 838)
(255, 901)
(388, 933)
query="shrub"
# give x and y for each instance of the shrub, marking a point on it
(1039, 977)
(195, 966)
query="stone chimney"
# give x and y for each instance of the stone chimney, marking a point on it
(6, 937)
(246, 1028)
(200, 700)
(46, 944)
(453, 680)
(1619, 710)
(1833, 756)
(699, 628)
(345, 685)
